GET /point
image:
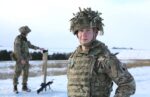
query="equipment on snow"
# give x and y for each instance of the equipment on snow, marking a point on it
(44, 70)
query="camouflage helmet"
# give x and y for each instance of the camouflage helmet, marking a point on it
(24, 29)
(86, 18)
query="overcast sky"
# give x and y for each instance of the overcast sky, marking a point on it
(127, 22)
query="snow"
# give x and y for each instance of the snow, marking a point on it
(126, 54)
(142, 79)
(134, 54)
(59, 87)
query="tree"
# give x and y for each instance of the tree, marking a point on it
(4, 55)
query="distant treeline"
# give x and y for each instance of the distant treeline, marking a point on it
(5, 56)
(122, 48)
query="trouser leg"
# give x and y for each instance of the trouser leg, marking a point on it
(18, 69)
(25, 78)
(25, 74)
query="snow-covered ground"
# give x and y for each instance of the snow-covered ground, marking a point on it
(59, 87)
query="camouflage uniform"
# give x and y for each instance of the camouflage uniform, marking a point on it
(91, 73)
(21, 51)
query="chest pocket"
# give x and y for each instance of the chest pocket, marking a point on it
(79, 75)
(25, 46)
(25, 49)
(81, 65)
(101, 83)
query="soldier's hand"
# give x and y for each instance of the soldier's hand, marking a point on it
(41, 49)
(23, 62)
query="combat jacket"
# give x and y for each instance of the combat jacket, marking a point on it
(21, 48)
(91, 73)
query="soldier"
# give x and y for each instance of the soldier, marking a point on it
(92, 68)
(21, 53)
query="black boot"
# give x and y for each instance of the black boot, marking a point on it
(15, 89)
(25, 88)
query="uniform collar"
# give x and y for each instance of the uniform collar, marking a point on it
(23, 37)
(94, 44)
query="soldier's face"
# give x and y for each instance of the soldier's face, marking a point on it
(25, 34)
(85, 35)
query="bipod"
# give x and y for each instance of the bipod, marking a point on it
(44, 70)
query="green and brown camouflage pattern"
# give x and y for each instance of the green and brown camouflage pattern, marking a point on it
(86, 18)
(24, 29)
(91, 73)
(21, 52)
(21, 48)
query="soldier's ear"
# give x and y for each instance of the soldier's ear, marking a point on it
(96, 33)
(95, 29)
(77, 35)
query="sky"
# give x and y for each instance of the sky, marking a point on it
(126, 22)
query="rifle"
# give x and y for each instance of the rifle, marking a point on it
(44, 70)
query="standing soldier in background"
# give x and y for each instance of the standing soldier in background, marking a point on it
(92, 68)
(22, 57)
